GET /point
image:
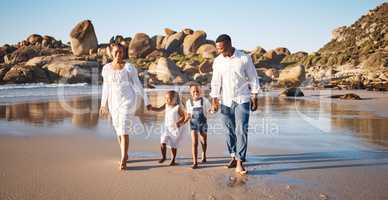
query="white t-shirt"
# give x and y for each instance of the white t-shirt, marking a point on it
(206, 106)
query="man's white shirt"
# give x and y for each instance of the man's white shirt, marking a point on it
(234, 78)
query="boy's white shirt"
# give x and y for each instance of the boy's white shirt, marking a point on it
(206, 106)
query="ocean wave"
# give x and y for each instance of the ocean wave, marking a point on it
(39, 85)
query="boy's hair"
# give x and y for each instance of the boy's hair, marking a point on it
(224, 38)
(193, 83)
(174, 95)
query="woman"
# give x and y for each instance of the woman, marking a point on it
(120, 87)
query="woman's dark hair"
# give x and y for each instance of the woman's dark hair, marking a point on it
(224, 38)
(118, 45)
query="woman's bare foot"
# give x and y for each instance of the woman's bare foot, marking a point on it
(161, 160)
(123, 166)
(123, 163)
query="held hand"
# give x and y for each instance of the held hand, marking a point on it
(149, 107)
(215, 105)
(178, 124)
(103, 111)
(254, 103)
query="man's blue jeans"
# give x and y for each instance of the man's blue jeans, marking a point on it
(236, 119)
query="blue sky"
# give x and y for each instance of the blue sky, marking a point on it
(298, 25)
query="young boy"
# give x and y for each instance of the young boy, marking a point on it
(197, 109)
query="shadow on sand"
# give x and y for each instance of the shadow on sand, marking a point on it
(293, 162)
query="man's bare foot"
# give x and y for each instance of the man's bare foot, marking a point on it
(240, 169)
(232, 163)
(161, 160)
(173, 163)
(194, 166)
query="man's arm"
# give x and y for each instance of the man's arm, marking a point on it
(251, 74)
(215, 85)
(253, 82)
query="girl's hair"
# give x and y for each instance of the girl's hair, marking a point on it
(174, 95)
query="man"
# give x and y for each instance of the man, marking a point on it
(235, 82)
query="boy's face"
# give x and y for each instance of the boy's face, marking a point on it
(195, 92)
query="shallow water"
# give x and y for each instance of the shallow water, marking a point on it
(282, 123)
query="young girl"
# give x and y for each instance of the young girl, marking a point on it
(172, 130)
(120, 86)
(197, 108)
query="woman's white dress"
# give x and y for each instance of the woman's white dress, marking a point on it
(171, 135)
(119, 92)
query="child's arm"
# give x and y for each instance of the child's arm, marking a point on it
(156, 109)
(182, 118)
(187, 118)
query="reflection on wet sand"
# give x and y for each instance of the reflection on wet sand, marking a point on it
(83, 112)
(52, 112)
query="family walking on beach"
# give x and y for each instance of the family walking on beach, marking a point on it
(234, 89)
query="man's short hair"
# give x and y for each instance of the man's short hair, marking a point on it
(224, 38)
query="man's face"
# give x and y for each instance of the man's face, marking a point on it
(223, 48)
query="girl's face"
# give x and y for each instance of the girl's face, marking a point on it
(117, 53)
(195, 92)
(170, 100)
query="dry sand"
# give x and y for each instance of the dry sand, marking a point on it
(83, 166)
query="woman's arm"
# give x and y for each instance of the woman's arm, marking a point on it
(139, 89)
(104, 96)
(105, 93)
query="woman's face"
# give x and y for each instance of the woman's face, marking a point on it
(117, 53)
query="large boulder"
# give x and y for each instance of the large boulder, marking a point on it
(140, 46)
(67, 69)
(297, 57)
(51, 42)
(291, 92)
(173, 43)
(193, 41)
(25, 74)
(3, 70)
(205, 67)
(207, 51)
(282, 51)
(348, 96)
(21, 55)
(157, 41)
(270, 55)
(157, 53)
(167, 71)
(41, 60)
(292, 76)
(169, 31)
(83, 38)
(34, 39)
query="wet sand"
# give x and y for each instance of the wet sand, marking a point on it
(48, 153)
